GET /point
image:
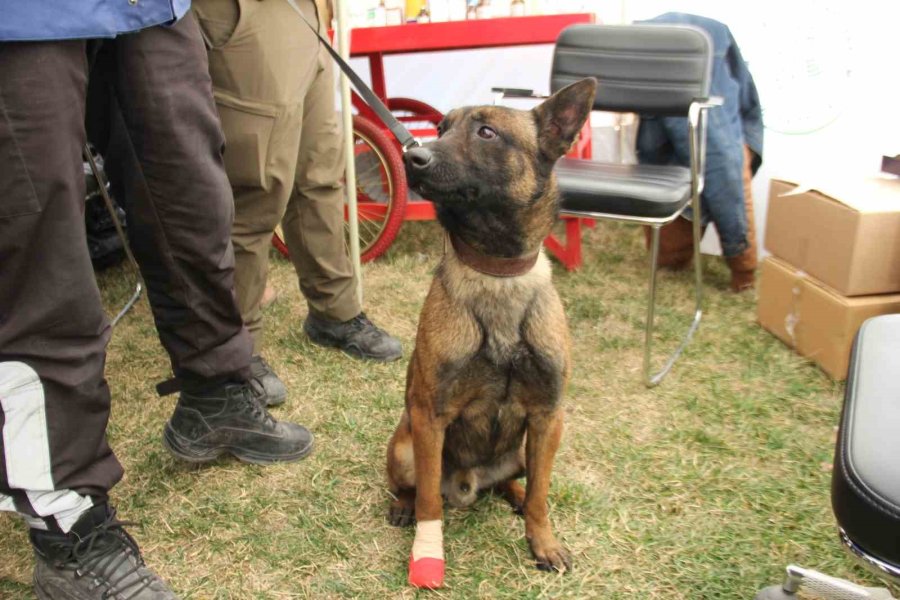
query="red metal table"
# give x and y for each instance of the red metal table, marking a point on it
(376, 42)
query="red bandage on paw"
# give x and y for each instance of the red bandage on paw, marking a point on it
(426, 563)
(426, 572)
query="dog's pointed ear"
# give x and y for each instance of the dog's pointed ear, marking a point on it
(561, 116)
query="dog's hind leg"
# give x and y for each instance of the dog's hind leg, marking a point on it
(513, 492)
(401, 475)
(402, 512)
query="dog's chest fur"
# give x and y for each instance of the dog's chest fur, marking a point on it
(503, 373)
(501, 307)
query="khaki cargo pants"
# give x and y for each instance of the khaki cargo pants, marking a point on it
(274, 88)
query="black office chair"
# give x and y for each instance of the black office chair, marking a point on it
(659, 70)
(865, 484)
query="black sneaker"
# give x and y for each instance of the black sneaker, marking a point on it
(230, 418)
(269, 388)
(97, 559)
(357, 337)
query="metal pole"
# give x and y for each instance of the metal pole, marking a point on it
(343, 40)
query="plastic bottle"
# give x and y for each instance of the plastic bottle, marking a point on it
(471, 11)
(379, 17)
(412, 8)
(483, 10)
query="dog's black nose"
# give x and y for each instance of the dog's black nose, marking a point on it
(418, 158)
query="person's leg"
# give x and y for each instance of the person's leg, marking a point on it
(722, 202)
(314, 222)
(181, 209)
(313, 227)
(53, 331)
(743, 265)
(55, 465)
(260, 60)
(261, 110)
(179, 199)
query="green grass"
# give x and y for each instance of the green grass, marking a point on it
(705, 487)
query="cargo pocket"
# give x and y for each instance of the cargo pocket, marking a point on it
(219, 20)
(17, 195)
(248, 130)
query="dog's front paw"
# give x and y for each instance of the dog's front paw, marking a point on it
(401, 514)
(551, 556)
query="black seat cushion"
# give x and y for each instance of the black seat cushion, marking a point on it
(627, 190)
(865, 485)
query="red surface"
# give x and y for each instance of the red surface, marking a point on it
(459, 35)
(426, 573)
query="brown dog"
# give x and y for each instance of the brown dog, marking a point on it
(485, 381)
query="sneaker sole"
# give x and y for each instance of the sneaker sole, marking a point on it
(182, 448)
(329, 342)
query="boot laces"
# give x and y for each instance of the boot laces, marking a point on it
(101, 552)
(249, 397)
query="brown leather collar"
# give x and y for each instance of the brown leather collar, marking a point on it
(495, 266)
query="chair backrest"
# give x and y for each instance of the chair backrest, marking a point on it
(649, 69)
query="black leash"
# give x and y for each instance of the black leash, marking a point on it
(400, 132)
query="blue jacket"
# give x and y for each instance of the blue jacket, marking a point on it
(664, 140)
(33, 20)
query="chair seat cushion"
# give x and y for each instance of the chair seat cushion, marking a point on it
(865, 487)
(628, 190)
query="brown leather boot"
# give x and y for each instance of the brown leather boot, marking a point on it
(676, 244)
(743, 266)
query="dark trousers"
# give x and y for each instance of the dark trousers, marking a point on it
(169, 169)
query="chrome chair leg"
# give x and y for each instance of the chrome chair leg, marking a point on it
(653, 379)
(818, 585)
(101, 181)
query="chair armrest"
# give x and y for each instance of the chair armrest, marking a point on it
(515, 92)
(697, 116)
(501, 92)
(710, 102)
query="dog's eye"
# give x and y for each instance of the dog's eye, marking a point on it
(486, 133)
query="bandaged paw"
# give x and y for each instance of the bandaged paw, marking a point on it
(426, 563)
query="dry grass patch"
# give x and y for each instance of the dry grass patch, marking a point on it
(702, 488)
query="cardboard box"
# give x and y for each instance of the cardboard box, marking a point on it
(812, 318)
(845, 234)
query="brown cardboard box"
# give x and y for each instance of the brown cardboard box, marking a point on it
(845, 234)
(811, 317)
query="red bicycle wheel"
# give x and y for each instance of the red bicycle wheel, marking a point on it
(381, 191)
(278, 242)
(419, 117)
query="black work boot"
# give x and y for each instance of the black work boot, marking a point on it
(269, 388)
(358, 337)
(97, 559)
(230, 418)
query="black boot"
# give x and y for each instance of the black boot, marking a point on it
(269, 388)
(357, 337)
(229, 418)
(96, 559)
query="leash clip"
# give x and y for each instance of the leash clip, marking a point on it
(413, 143)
